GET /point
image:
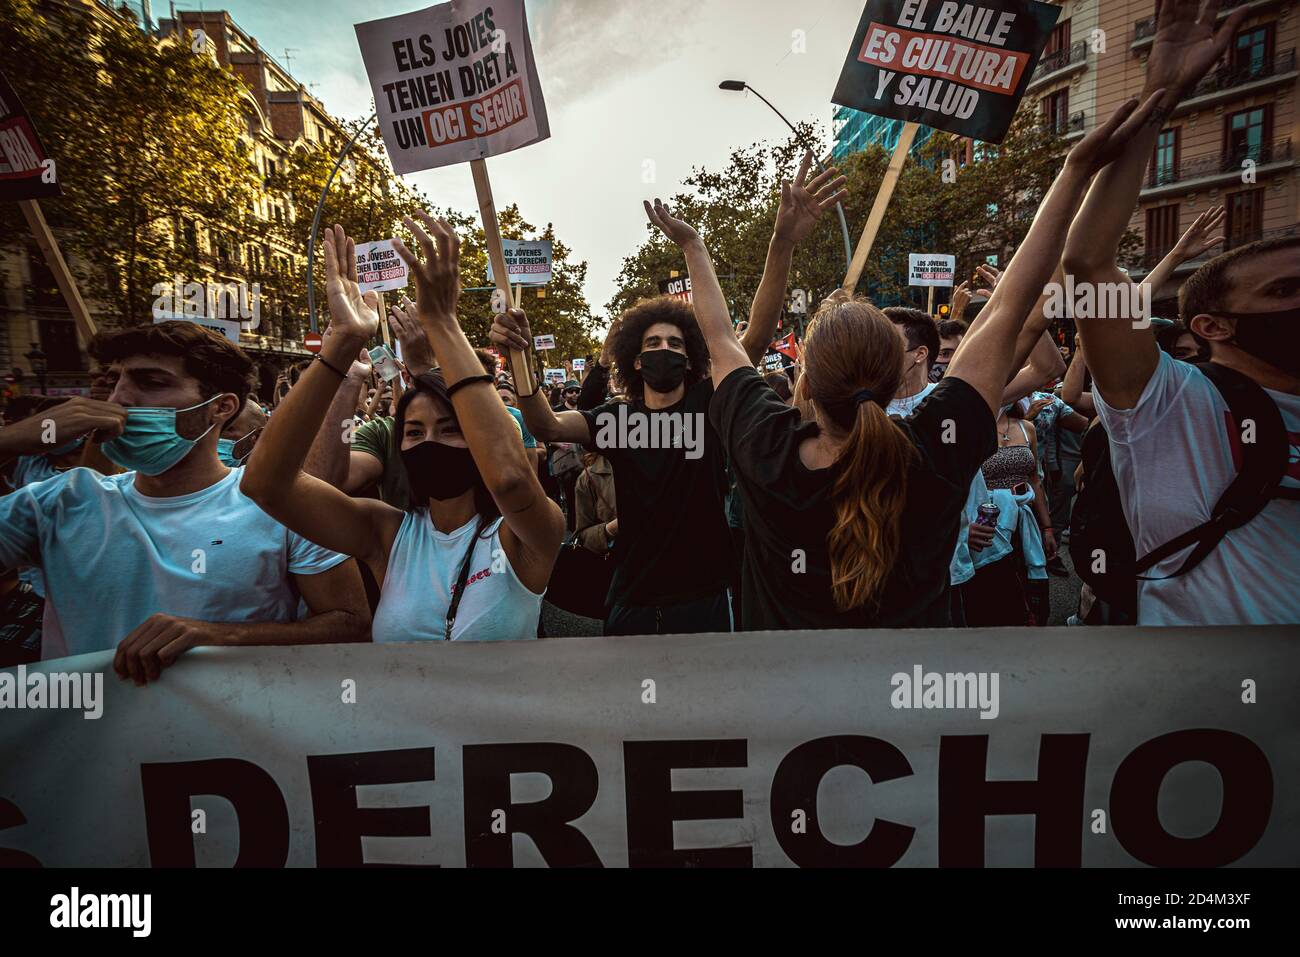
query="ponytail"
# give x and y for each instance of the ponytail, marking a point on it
(868, 496)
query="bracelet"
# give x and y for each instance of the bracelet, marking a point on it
(468, 380)
(333, 368)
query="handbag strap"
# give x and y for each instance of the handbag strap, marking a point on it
(461, 578)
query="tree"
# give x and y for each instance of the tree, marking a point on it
(136, 179)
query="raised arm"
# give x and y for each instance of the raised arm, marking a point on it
(491, 433)
(726, 354)
(274, 477)
(1124, 354)
(1072, 393)
(802, 204)
(1198, 239)
(511, 331)
(984, 360)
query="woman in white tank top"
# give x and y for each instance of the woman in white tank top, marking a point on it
(471, 560)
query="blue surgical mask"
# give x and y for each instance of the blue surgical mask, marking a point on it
(149, 444)
(226, 451)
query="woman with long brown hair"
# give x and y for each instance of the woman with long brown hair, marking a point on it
(852, 515)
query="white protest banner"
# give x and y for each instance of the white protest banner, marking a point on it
(555, 376)
(930, 269)
(1098, 747)
(227, 327)
(454, 82)
(957, 65)
(578, 365)
(543, 343)
(379, 267)
(528, 262)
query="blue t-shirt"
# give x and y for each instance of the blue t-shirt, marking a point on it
(113, 557)
(529, 441)
(28, 470)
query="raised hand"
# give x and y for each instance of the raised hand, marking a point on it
(437, 276)
(352, 313)
(675, 229)
(988, 274)
(1108, 140)
(1200, 237)
(961, 297)
(405, 324)
(802, 202)
(1186, 44)
(510, 331)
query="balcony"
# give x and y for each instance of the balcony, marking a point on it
(1148, 261)
(1071, 129)
(1231, 83)
(1144, 30)
(1214, 169)
(1055, 66)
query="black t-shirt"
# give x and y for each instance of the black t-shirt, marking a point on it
(673, 543)
(789, 509)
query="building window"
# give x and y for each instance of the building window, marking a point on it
(1162, 230)
(1247, 134)
(1056, 110)
(1058, 39)
(1252, 50)
(1164, 161)
(1245, 217)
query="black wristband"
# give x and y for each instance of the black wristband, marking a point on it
(328, 365)
(468, 380)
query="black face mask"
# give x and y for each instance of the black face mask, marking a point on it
(439, 472)
(662, 369)
(1271, 337)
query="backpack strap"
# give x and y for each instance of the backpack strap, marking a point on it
(1264, 463)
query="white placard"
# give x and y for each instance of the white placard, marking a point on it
(931, 269)
(528, 262)
(379, 267)
(542, 343)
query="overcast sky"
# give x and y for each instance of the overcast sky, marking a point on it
(625, 81)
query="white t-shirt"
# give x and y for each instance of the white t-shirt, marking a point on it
(1173, 457)
(423, 567)
(113, 557)
(905, 407)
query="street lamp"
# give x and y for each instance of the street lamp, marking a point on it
(739, 86)
(39, 365)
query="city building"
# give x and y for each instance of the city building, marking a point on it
(855, 131)
(37, 333)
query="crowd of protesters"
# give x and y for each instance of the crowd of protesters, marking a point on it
(905, 473)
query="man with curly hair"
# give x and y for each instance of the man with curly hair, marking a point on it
(673, 546)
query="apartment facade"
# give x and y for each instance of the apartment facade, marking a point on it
(1232, 140)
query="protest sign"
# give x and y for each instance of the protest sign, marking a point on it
(543, 343)
(528, 262)
(771, 749)
(954, 65)
(379, 267)
(556, 376)
(787, 346)
(578, 365)
(454, 82)
(930, 269)
(227, 327)
(385, 363)
(679, 288)
(26, 170)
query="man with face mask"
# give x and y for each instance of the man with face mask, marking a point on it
(171, 554)
(673, 548)
(1174, 447)
(240, 435)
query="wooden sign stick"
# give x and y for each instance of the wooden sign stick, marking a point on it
(492, 233)
(883, 196)
(67, 283)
